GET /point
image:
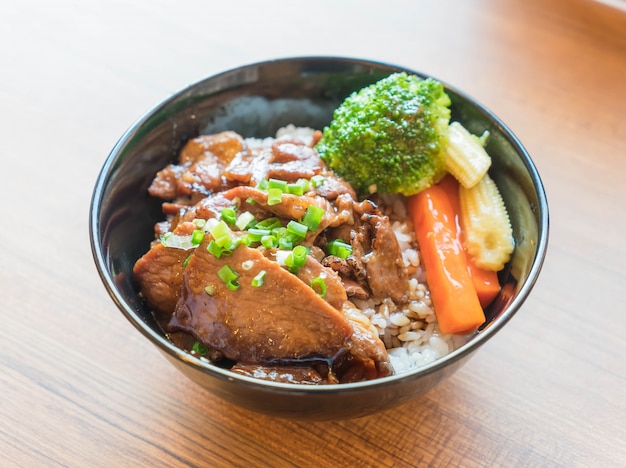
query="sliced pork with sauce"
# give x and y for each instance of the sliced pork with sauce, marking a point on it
(284, 329)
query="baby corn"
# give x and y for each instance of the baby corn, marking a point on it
(465, 158)
(486, 225)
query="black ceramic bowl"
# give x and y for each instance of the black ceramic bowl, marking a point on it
(255, 100)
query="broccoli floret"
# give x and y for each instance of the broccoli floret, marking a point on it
(387, 137)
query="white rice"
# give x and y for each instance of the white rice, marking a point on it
(410, 331)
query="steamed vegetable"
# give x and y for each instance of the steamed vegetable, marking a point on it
(486, 225)
(388, 136)
(465, 157)
(485, 281)
(452, 290)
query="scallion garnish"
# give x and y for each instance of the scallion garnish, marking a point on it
(215, 249)
(229, 277)
(262, 185)
(200, 223)
(296, 259)
(277, 184)
(197, 237)
(295, 189)
(268, 223)
(259, 279)
(299, 255)
(256, 234)
(224, 238)
(244, 220)
(200, 348)
(186, 261)
(269, 241)
(312, 217)
(317, 180)
(339, 248)
(285, 243)
(225, 242)
(221, 230)
(229, 215)
(209, 289)
(296, 229)
(174, 241)
(306, 185)
(274, 196)
(319, 286)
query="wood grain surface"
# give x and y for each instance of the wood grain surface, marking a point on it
(80, 387)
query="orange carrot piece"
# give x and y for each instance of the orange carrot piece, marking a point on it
(452, 291)
(485, 281)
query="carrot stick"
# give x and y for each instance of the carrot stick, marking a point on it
(451, 288)
(485, 281)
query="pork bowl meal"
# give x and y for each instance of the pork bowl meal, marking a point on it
(318, 237)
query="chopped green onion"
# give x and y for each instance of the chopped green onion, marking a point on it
(259, 279)
(279, 231)
(229, 277)
(281, 256)
(339, 248)
(220, 230)
(317, 180)
(312, 217)
(197, 237)
(209, 289)
(269, 241)
(174, 241)
(306, 185)
(262, 185)
(285, 238)
(285, 243)
(250, 201)
(268, 223)
(210, 224)
(295, 189)
(229, 215)
(200, 223)
(200, 348)
(244, 220)
(319, 286)
(186, 261)
(288, 262)
(232, 245)
(297, 229)
(256, 235)
(215, 249)
(226, 242)
(277, 184)
(274, 196)
(299, 255)
(224, 237)
(296, 259)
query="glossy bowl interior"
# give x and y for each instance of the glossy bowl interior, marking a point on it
(255, 100)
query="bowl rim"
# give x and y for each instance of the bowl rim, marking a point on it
(203, 365)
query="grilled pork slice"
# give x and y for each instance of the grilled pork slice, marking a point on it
(160, 273)
(281, 320)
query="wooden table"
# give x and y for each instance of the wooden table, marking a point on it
(80, 387)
